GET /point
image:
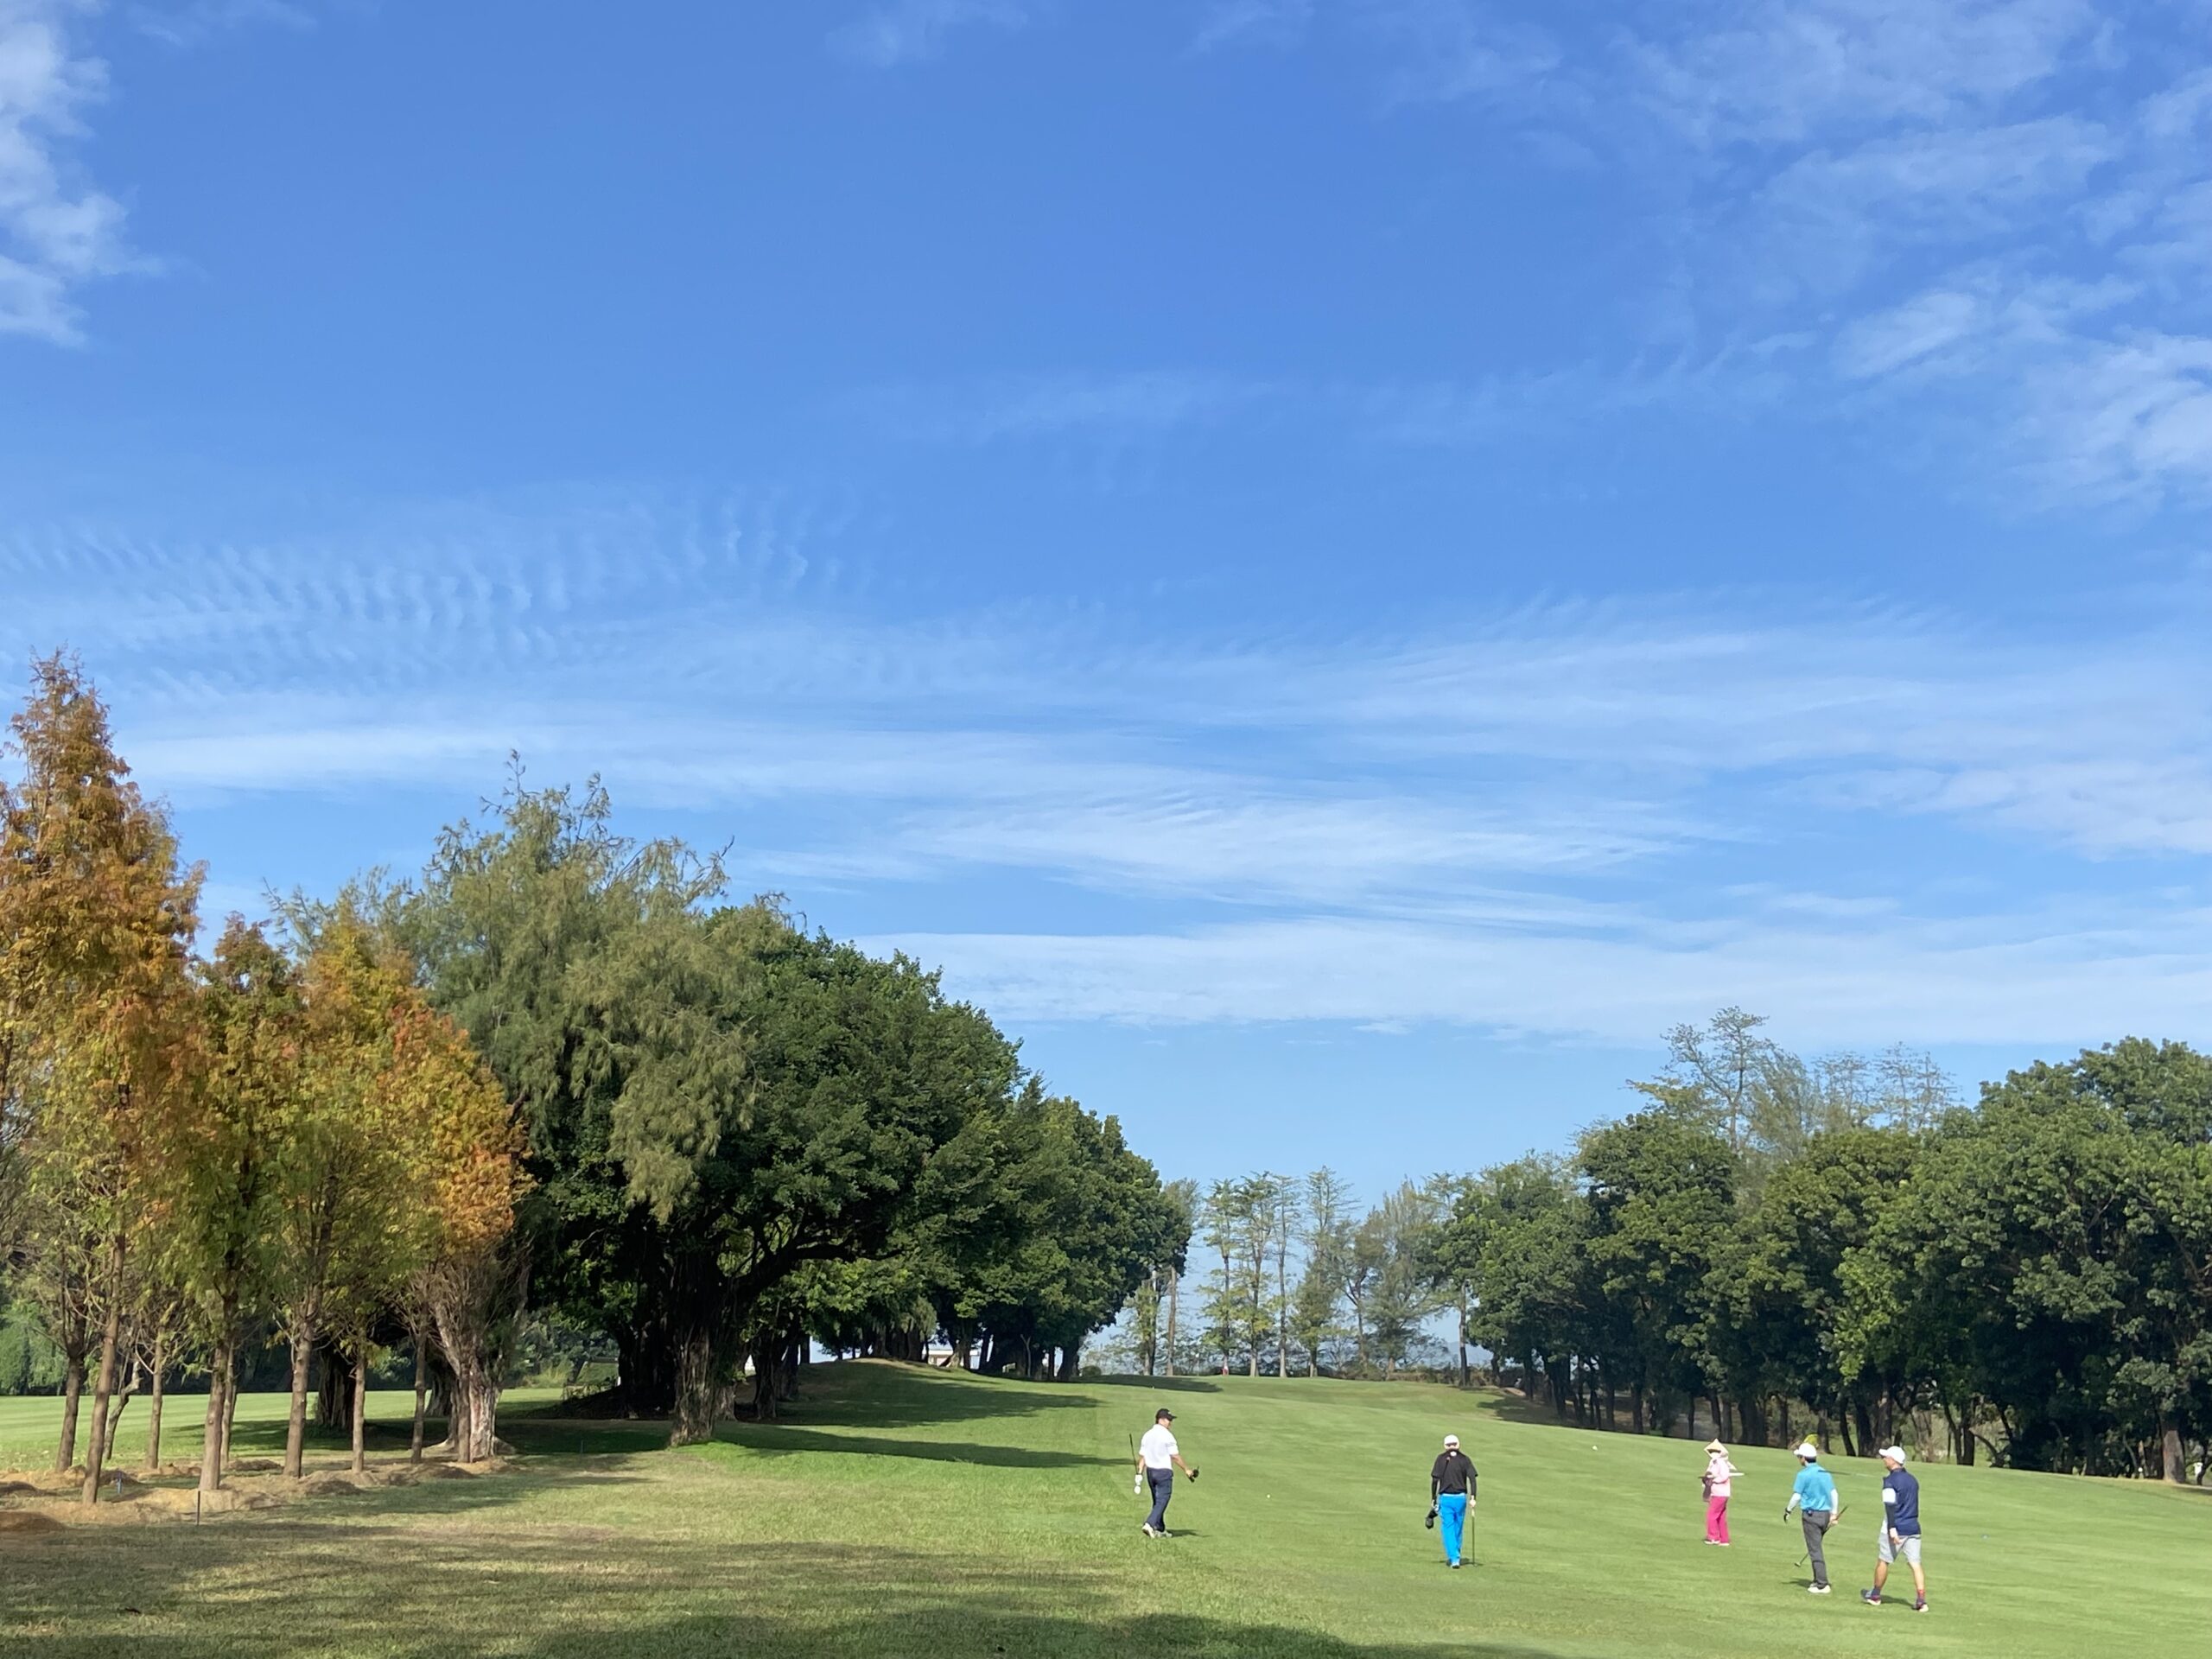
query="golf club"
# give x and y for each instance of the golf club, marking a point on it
(1834, 1521)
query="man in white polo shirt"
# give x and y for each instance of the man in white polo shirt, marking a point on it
(1158, 1458)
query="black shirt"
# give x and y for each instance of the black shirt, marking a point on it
(1452, 1473)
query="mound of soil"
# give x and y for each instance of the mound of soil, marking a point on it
(22, 1522)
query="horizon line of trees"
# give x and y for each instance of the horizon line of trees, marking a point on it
(1771, 1247)
(553, 1073)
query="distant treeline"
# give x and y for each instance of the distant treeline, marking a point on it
(1773, 1247)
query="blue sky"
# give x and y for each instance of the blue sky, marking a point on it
(1340, 564)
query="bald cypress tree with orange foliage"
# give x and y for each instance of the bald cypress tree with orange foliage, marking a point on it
(96, 920)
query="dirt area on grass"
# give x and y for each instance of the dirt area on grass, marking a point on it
(43, 1501)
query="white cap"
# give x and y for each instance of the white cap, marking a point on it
(1807, 1451)
(1450, 1439)
(1894, 1454)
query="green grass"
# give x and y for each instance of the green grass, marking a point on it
(906, 1513)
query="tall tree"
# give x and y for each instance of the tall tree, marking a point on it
(251, 1024)
(1326, 1229)
(1398, 1238)
(1661, 1199)
(96, 918)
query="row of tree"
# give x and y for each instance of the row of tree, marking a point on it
(552, 1072)
(191, 1148)
(1772, 1247)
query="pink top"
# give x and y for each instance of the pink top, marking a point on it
(1720, 1471)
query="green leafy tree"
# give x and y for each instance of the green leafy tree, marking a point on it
(1660, 1195)
(1397, 1242)
(1316, 1304)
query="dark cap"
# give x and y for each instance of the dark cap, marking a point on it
(1163, 1415)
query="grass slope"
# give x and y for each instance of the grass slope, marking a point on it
(902, 1512)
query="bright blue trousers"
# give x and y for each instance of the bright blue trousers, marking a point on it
(1451, 1522)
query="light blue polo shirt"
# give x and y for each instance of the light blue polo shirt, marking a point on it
(1815, 1488)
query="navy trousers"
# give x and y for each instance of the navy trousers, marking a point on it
(1163, 1488)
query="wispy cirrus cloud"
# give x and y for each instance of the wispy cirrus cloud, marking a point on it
(1253, 22)
(58, 231)
(1562, 817)
(1866, 176)
(196, 20)
(897, 32)
(2077, 973)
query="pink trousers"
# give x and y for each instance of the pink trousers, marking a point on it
(1716, 1520)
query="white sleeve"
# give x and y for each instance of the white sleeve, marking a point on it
(1889, 1496)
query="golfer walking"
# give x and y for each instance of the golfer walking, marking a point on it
(1900, 1529)
(1158, 1458)
(1814, 1496)
(1450, 1493)
(1719, 1477)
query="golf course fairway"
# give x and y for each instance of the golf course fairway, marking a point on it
(900, 1512)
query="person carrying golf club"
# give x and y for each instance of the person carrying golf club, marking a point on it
(1720, 1478)
(1814, 1496)
(1158, 1458)
(1451, 1492)
(1900, 1529)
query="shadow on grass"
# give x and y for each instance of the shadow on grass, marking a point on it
(246, 1591)
(880, 1393)
(1162, 1384)
(776, 1439)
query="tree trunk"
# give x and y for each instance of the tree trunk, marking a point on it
(1465, 1381)
(154, 1391)
(231, 1412)
(211, 1427)
(361, 1411)
(73, 1390)
(295, 1426)
(1174, 1284)
(698, 1390)
(115, 1417)
(210, 1424)
(421, 1404)
(2171, 1442)
(331, 1379)
(1070, 1362)
(111, 1339)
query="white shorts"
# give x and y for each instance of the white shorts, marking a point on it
(1908, 1547)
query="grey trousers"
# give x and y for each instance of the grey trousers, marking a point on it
(1816, 1526)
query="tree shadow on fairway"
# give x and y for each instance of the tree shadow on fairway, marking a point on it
(884, 1394)
(267, 1590)
(1161, 1385)
(773, 1440)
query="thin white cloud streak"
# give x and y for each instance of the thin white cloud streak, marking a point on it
(1780, 72)
(2004, 979)
(194, 23)
(909, 31)
(56, 231)
(1253, 22)
(1115, 741)
(1542, 820)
